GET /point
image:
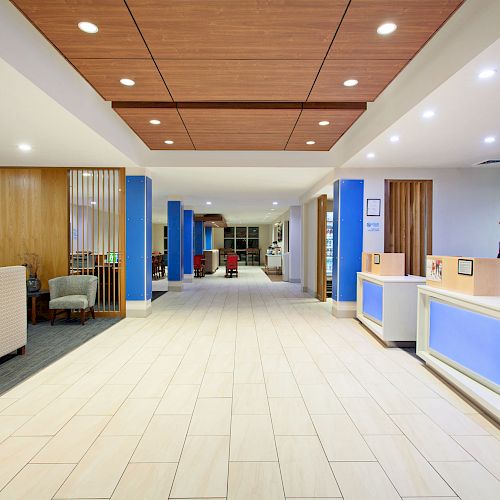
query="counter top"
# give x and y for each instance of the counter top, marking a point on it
(489, 302)
(393, 279)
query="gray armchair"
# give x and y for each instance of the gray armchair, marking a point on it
(72, 292)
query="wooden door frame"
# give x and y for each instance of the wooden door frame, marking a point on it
(321, 248)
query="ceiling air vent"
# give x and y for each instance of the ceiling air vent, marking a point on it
(488, 163)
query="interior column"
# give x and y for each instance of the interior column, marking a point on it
(175, 245)
(198, 237)
(208, 238)
(295, 244)
(188, 245)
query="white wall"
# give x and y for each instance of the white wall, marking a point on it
(309, 241)
(158, 241)
(295, 238)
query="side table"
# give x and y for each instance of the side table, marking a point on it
(34, 296)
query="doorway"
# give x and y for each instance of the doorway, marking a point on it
(408, 222)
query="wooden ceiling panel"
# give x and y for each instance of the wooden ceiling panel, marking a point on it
(373, 76)
(156, 140)
(242, 29)
(118, 36)
(340, 120)
(245, 80)
(240, 142)
(323, 142)
(138, 120)
(105, 74)
(239, 121)
(417, 21)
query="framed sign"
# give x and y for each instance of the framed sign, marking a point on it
(434, 269)
(465, 267)
(376, 258)
(373, 207)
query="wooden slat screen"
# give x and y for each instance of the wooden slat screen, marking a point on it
(321, 249)
(408, 221)
(97, 233)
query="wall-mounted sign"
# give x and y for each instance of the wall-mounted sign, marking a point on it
(465, 267)
(373, 207)
(373, 226)
(434, 269)
(376, 258)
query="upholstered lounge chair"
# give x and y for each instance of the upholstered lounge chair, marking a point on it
(72, 292)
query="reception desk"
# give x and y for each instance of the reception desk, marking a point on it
(459, 337)
(387, 305)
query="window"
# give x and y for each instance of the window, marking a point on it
(240, 238)
(165, 240)
(253, 232)
(241, 232)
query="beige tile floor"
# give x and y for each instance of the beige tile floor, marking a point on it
(242, 389)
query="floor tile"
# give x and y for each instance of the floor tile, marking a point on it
(203, 468)
(132, 418)
(10, 423)
(250, 399)
(107, 400)
(275, 363)
(407, 469)
(281, 385)
(254, 480)
(178, 400)
(345, 385)
(485, 449)
(252, 439)
(290, 417)
(211, 417)
(304, 468)
(321, 400)
(217, 385)
(36, 400)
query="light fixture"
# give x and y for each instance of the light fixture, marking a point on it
(370, 155)
(487, 73)
(275, 202)
(394, 138)
(169, 141)
(428, 114)
(350, 83)
(386, 28)
(24, 147)
(154, 122)
(310, 143)
(87, 174)
(88, 27)
(93, 202)
(209, 202)
(489, 140)
(324, 123)
(127, 82)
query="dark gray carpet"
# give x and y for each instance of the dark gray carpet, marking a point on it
(158, 294)
(46, 344)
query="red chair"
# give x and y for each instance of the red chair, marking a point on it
(199, 266)
(231, 265)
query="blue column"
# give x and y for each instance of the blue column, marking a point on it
(348, 196)
(175, 245)
(139, 245)
(188, 245)
(208, 238)
(198, 237)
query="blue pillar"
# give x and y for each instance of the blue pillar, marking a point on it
(139, 245)
(188, 245)
(198, 237)
(175, 245)
(348, 196)
(208, 238)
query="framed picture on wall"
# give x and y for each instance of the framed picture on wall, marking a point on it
(373, 207)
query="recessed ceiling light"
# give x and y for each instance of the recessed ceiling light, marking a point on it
(489, 140)
(350, 83)
(275, 202)
(310, 143)
(324, 123)
(370, 155)
(127, 82)
(487, 73)
(168, 141)
(93, 202)
(154, 122)
(209, 202)
(386, 28)
(394, 138)
(88, 27)
(428, 114)
(24, 147)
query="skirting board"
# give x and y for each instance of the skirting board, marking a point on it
(294, 280)
(344, 309)
(188, 278)
(175, 286)
(138, 308)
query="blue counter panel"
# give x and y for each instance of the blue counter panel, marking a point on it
(373, 305)
(198, 237)
(208, 238)
(468, 338)
(149, 238)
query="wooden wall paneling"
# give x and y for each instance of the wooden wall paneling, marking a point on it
(122, 241)
(245, 29)
(118, 36)
(239, 80)
(417, 21)
(321, 249)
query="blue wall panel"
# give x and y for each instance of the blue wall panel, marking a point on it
(208, 238)
(135, 243)
(198, 237)
(335, 259)
(188, 241)
(149, 238)
(470, 339)
(373, 300)
(175, 241)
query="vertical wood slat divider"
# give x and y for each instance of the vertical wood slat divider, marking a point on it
(321, 249)
(121, 240)
(109, 236)
(98, 240)
(115, 265)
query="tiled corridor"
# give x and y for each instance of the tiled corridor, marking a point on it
(247, 390)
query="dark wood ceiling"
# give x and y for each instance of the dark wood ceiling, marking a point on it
(239, 74)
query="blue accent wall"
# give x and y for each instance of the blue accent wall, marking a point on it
(198, 237)
(348, 203)
(470, 339)
(175, 241)
(137, 237)
(208, 238)
(149, 238)
(188, 241)
(373, 300)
